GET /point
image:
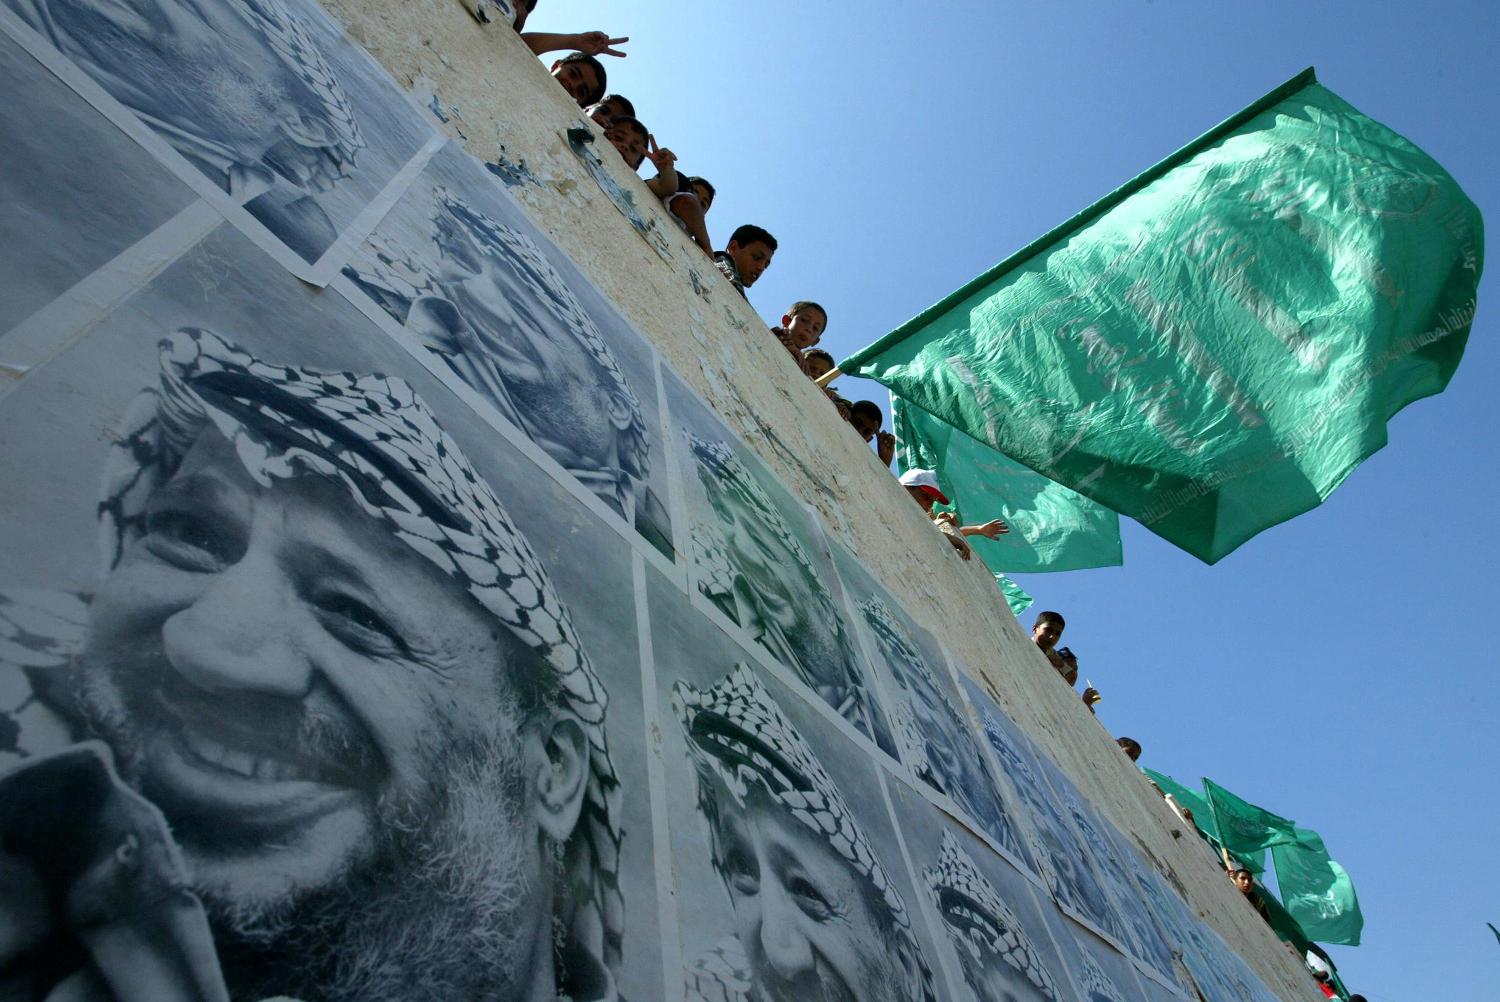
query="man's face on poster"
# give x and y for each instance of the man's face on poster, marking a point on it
(315, 708)
(565, 399)
(992, 978)
(203, 66)
(936, 723)
(811, 926)
(785, 599)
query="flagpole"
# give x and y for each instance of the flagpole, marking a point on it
(828, 377)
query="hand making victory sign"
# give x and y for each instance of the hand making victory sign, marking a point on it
(598, 43)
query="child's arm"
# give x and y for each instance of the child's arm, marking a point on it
(690, 211)
(665, 162)
(594, 43)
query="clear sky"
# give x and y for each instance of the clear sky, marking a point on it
(1335, 669)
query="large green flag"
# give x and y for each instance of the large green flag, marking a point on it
(1212, 348)
(1245, 830)
(1051, 527)
(1316, 891)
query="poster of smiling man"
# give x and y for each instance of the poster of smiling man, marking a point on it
(758, 558)
(990, 926)
(315, 718)
(462, 271)
(790, 882)
(1055, 847)
(262, 106)
(936, 740)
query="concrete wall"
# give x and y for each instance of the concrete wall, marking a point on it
(508, 108)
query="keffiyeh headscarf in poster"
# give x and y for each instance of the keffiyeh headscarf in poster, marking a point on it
(377, 439)
(739, 739)
(978, 919)
(238, 87)
(502, 317)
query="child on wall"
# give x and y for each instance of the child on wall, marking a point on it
(802, 326)
(746, 257)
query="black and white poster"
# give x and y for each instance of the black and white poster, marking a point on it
(759, 560)
(1055, 846)
(989, 925)
(789, 879)
(265, 108)
(1102, 973)
(461, 271)
(382, 619)
(1145, 912)
(46, 187)
(294, 704)
(937, 742)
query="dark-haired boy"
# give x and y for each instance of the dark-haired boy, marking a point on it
(802, 326)
(746, 257)
(635, 144)
(1047, 630)
(867, 417)
(613, 106)
(817, 363)
(582, 76)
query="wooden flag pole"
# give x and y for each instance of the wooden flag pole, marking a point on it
(828, 377)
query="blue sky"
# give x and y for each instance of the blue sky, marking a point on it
(1335, 669)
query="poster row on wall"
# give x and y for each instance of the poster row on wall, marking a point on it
(381, 618)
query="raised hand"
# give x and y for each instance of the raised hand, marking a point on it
(661, 158)
(991, 529)
(598, 43)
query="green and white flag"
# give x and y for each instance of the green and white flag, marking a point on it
(1212, 348)
(1316, 891)
(1051, 527)
(1245, 830)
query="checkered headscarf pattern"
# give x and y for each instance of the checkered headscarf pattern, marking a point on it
(1097, 986)
(974, 913)
(400, 273)
(717, 460)
(905, 659)
(738, 735)
(895, 638)
(374, 436)
(526, 258)
(333, 130)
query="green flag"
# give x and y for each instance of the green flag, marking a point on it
(1245, 830)
(1015, 596)
(1051, 527)
(1316, 891)
(1203, 815)
(1187, 797)
(1212, 348)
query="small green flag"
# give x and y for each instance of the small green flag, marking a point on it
(1015, 596)
(1212, 348)
(1187, 797)
(1203, 814)
(1245, 830)
(1316, 891)
(1051, 527)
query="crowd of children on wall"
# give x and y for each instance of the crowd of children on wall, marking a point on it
(745, 257)
(687, 199)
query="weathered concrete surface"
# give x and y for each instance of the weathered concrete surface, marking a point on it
(507, 106)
